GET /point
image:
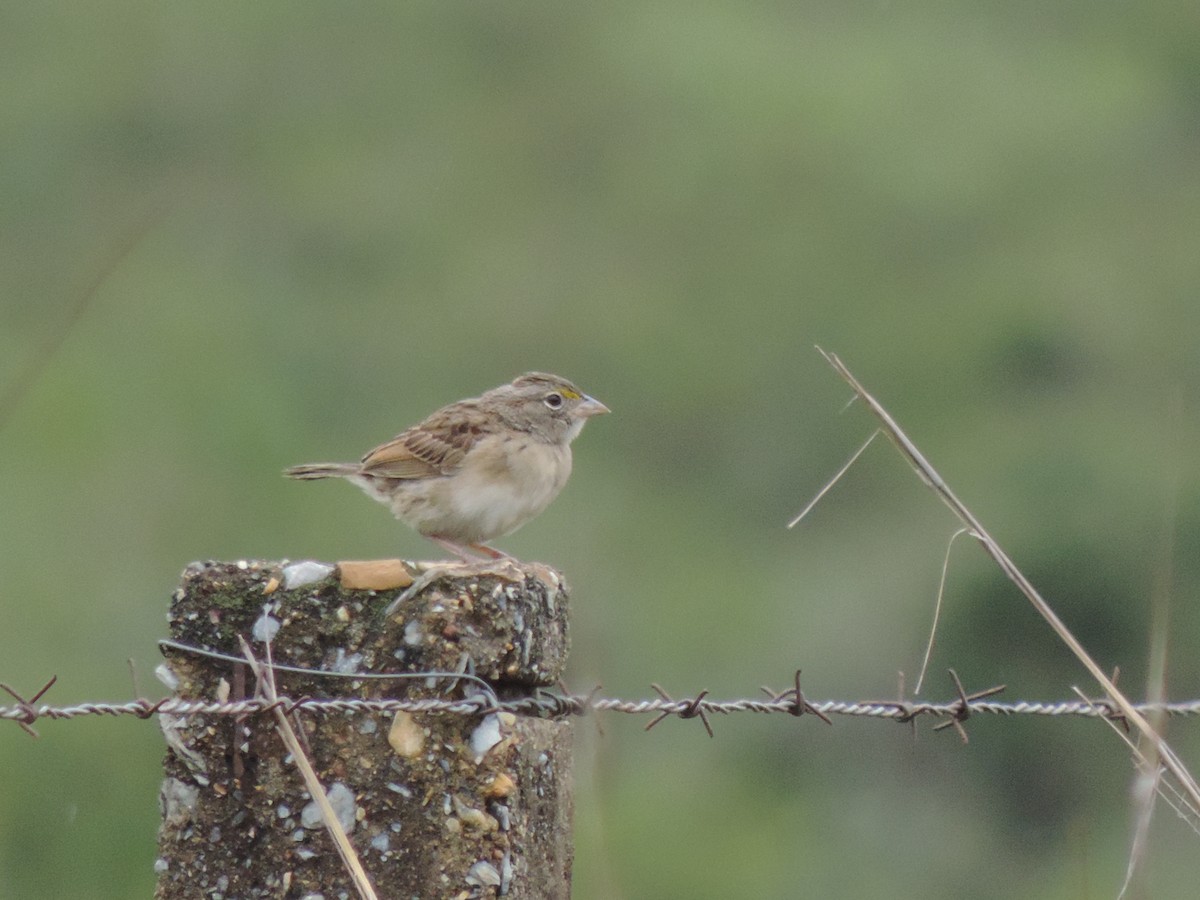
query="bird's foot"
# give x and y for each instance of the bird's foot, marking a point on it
(505, 568)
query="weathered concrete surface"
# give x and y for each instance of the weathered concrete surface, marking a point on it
(437, 805)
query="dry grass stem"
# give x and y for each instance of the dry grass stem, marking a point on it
(1169, 793)
(937, 609)
(1147, 783)
(930, 476)
(266, 684)
(832, 481)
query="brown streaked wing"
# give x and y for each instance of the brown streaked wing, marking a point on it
(433, 447)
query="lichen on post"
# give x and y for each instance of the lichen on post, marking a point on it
(435, 804)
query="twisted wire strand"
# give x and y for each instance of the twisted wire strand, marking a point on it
(562, 705)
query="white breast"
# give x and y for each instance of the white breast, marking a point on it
(493, 494)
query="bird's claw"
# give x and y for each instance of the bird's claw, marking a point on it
(505, 568)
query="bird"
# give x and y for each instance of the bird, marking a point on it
(477, 469)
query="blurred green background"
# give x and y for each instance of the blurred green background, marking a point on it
(311, 224)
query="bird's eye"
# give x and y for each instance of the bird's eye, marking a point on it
(554, 400)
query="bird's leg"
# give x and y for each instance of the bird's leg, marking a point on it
(462, 551)
(492, 562)
(491, 552)
(503, 565)
(497, 562)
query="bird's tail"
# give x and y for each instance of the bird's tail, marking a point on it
(313, 471)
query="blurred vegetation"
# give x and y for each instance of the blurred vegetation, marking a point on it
(343, 216)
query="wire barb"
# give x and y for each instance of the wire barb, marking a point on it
(799, 705)
(685, 709)
(28, 715)
(961, 711)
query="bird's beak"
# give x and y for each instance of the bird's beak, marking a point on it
(590, 407)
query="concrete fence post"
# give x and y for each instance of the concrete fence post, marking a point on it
(436, 804)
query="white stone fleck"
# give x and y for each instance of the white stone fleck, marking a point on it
(304, 573)
(413, 633)
(166, 675)
(483, 874)
(347, 665)
(177, 800)
(341, 798)
(485, 736)
(265, 627)
(506, 872)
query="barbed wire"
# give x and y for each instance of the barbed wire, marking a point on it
(549, 704)
(557, 706)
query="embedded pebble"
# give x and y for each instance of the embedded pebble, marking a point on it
(406, 736)
(485, 736)
(381, 842)
(303, 573)
(166, 675)
(341, 798)
(506, 872)
(475, 818)
(177, 800)
(502, 786)
(502, 816)
(413, 633)
(483, 874)
(347, 665)
(265, 627)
